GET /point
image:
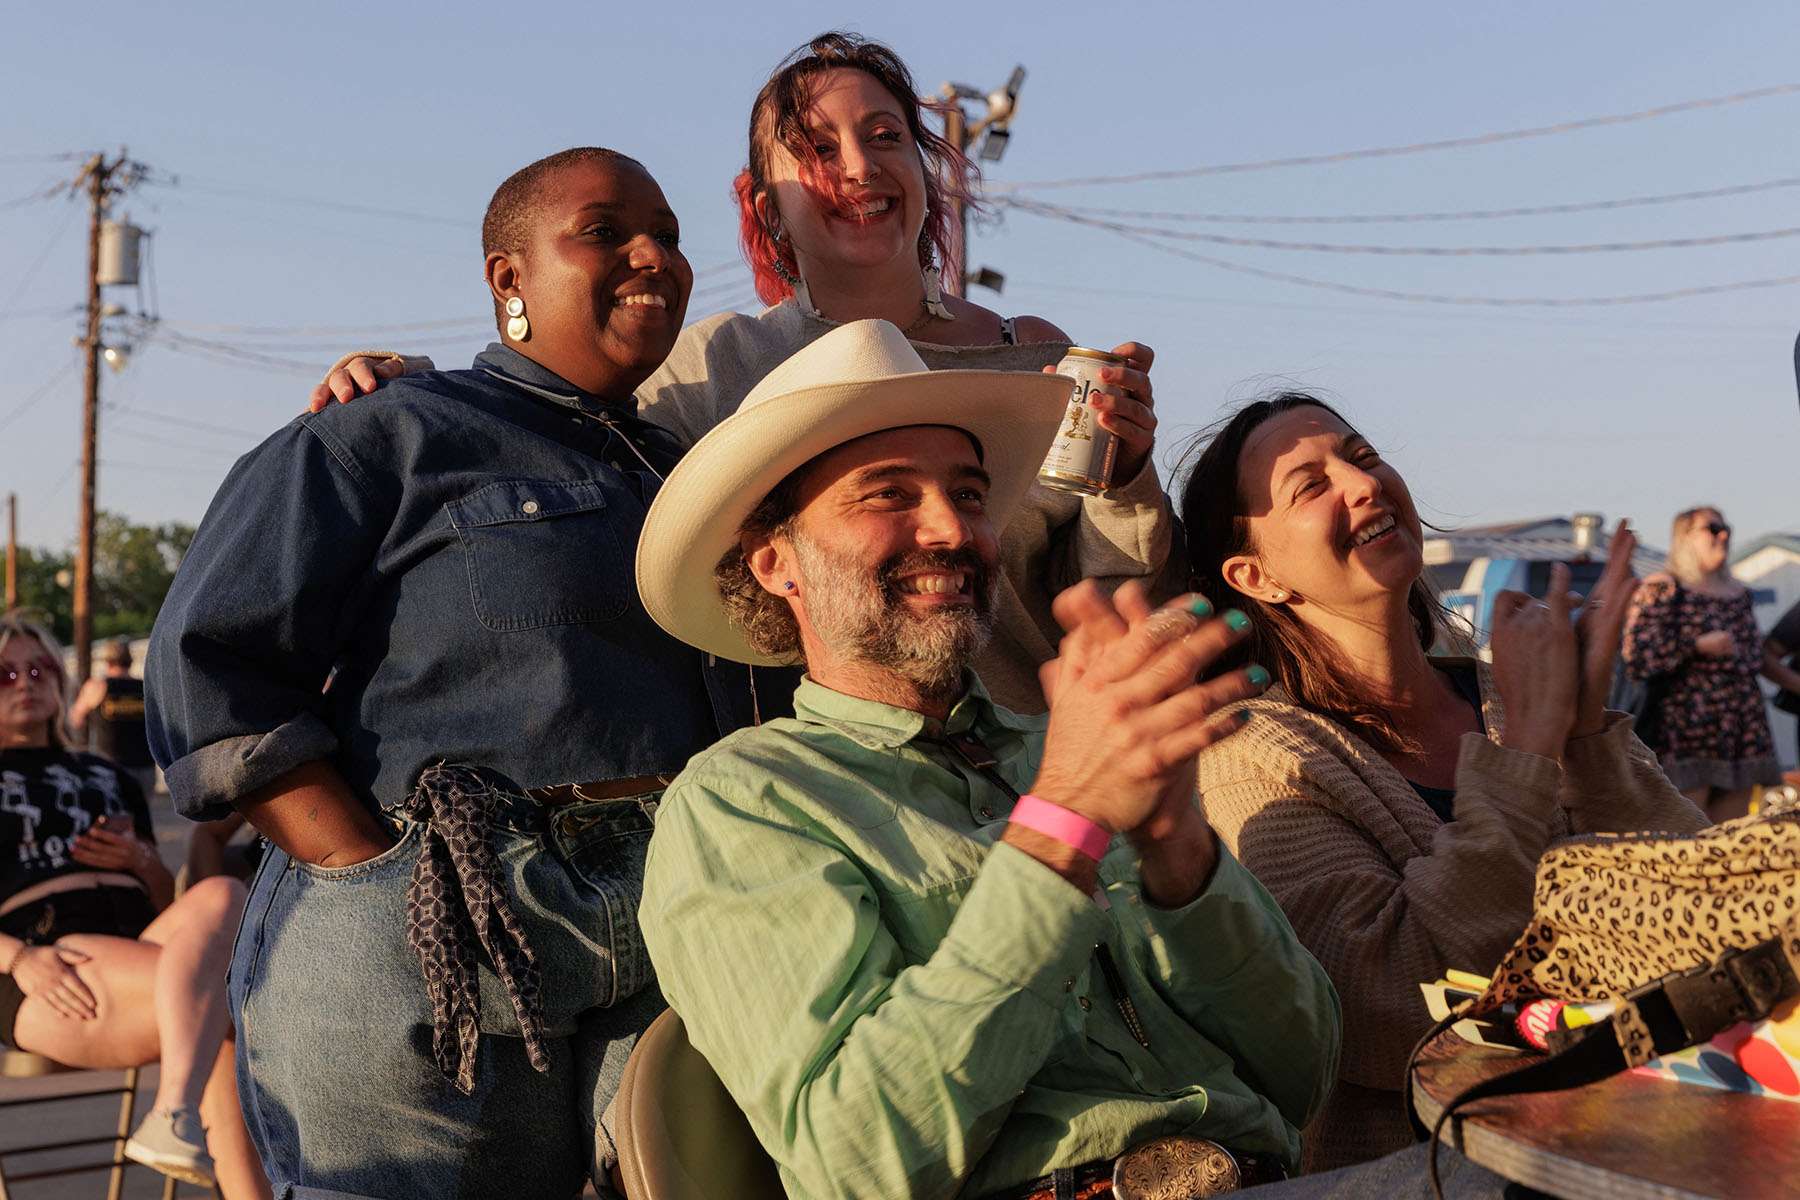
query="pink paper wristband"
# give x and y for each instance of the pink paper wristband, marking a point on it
(1055, 821)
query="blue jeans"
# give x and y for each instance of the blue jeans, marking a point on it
(339, 1087)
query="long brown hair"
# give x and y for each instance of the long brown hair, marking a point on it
(1303, 660)
(778, 118)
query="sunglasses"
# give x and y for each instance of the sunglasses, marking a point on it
(32, 672)
(1718, 529)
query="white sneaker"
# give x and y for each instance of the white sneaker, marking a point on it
(173, 1141)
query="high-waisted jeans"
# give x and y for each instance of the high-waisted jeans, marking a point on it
(339, 1086)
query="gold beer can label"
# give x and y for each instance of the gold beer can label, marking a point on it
(1081, 458)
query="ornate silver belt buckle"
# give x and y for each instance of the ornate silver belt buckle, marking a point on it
(1178, 1167)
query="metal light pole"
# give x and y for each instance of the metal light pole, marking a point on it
(993, 129)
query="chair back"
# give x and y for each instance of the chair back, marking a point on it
(680, 1134)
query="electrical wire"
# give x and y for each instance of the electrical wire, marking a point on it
(1219, 239)
(1485, 139)
(1739, 189)
(1473, 301)
(43, 390)
(364, 210)
(25, 280)
(346, 331)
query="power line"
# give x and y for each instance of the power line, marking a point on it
(1219, 239)
(364, 210)
(1307, 160)
(1473, 301)
(201, 426)
(330, 330)
(39, 394)
(26, 279)
(1390, 218)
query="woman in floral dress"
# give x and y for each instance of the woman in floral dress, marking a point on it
(1692, 637)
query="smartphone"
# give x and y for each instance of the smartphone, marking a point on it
(119, 823)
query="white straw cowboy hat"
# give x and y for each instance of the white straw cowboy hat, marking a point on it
(859, 379)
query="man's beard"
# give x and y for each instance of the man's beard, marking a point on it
(861, 615)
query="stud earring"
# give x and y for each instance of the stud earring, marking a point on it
(517, 327)
(789, 585)
(1278, 596)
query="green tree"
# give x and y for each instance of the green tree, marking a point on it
(40, 591)
(133, 568)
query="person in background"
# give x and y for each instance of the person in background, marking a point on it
(1781, 662)
(109, 711)
(844, 209)
(1692, 640)
(103, 967)
(1393, 802)
(440, 974)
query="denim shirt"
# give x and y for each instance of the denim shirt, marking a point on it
(439, 573)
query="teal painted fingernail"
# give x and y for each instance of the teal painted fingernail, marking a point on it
(1257, 676)
(1243, 716)
(1237, 620)
(1201, 607)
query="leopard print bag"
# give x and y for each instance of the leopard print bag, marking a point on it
(1690, 934)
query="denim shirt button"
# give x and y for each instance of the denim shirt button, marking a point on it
(530, 507)
(987, 812)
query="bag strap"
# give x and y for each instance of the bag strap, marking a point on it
(1661, 1017)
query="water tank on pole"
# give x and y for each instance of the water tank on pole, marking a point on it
(119, 252)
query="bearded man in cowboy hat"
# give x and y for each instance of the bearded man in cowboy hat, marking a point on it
(912, 980)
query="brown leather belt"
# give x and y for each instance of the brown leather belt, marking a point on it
(1180, 1167)
(609, 789)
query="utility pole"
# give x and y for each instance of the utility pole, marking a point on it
(102, 180)
(1001, 103)
(12, 551)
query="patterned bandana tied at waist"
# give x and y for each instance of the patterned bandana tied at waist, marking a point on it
(457, 910)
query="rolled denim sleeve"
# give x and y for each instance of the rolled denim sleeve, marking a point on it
(851, 1059)
(257, 616)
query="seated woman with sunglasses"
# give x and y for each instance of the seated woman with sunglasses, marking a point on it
(1395, 803)
(101, 969)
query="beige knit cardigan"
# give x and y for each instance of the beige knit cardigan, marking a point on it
(1385, 894)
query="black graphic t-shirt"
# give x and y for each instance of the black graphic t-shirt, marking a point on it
(46, 798)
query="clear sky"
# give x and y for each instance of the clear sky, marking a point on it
(334, 159)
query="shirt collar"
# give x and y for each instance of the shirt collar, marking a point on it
(881, 726)
(543, 382)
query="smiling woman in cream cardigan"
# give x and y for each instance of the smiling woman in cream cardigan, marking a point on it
(1393, 802)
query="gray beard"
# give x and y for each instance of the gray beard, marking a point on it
(857, 613)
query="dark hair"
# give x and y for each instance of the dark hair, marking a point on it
(519, 202)
(1300, 658)
(765, 619)
(778, 115)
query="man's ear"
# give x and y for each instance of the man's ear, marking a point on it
(504, 275)
(1245, 573)
(771, 561)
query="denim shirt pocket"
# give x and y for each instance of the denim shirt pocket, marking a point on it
(541, 552)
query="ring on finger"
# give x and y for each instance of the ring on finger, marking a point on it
(1169, 625)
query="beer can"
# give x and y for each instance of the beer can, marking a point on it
(1081, 458)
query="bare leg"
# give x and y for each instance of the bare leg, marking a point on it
(239, 1170)
(195, 935)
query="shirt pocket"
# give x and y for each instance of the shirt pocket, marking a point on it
(541, 553)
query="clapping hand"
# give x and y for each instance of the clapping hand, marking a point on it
(1599, 630)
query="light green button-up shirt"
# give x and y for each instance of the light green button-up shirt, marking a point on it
(905, 1007)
